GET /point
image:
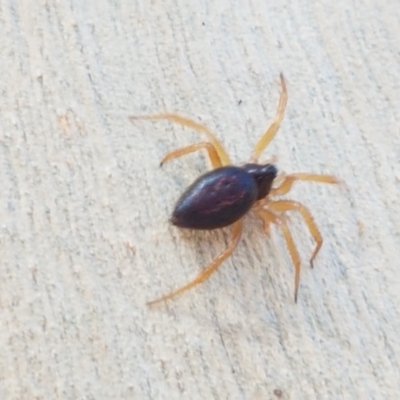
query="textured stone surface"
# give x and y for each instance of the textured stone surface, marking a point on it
(84, 206)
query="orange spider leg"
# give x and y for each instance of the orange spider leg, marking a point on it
(269, 217)
(223, 155)
(237, 232)
(289, 205)
(289, 180)
(212, 153)
(273, 129)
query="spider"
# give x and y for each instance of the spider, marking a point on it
(223, 196)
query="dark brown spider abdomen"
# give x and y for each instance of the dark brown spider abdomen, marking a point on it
(216, 199)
